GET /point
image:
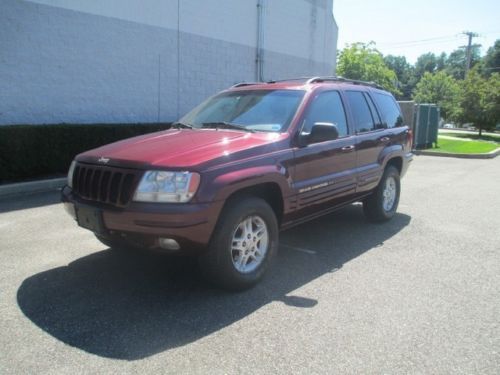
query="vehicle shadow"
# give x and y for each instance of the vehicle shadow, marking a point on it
(132, 305)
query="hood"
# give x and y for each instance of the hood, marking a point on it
(178, 148)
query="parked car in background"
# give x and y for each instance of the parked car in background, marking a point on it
(248, 162)
(448, 126)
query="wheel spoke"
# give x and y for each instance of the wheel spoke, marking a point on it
(249, 226)
(237, 245)
(249, 244)
(242, 262)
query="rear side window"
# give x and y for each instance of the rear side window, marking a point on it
(363, 119)
(389, 110)
(327, 107)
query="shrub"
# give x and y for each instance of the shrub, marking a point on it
(31, 151)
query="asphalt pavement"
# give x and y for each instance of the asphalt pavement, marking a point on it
(420, 294)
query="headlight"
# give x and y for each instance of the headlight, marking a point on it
(162, 186)
(70, 173)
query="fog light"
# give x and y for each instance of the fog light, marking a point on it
(169, 244)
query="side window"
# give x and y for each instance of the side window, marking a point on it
(378, 122)
(327, 107)
(363, 120)
(390, 112)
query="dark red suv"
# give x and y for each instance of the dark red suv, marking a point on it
(243, 165)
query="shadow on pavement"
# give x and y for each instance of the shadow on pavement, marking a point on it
(133, 305)
(25, 201)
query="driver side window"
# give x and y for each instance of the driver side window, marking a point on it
(327, 107)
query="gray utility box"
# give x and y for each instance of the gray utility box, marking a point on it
(423, 120)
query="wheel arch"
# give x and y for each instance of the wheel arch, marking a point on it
(270, 192)
(396, 162)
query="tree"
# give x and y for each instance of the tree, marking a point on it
(441, 61)
(481, 100)
(441, 89)
(455, 64)
(404, 72)
(491, 101)
(427, 62)
(364, 62)
(492, 59)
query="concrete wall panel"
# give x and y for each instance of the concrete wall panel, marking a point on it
(115, 61)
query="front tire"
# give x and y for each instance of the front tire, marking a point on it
(244, 242)
(382, 204)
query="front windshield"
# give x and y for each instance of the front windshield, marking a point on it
(256, 110)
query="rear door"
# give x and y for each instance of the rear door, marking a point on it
(371, 138)
(326, 170)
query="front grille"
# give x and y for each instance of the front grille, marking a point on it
(108, 185)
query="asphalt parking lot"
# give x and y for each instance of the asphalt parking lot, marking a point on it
(420, 294)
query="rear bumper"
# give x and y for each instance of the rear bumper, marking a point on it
(191, 225)
(407, 159)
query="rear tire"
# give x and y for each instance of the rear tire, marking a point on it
(382, 204)
(243, 244)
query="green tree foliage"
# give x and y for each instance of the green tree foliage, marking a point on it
(441, 61)
(481, 100)
(404, 72)
(456, 61)
(491, 104)
(441, 89)
(426, 63)
(363, 62)
(492, 59)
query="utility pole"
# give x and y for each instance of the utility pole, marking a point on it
(470, 35)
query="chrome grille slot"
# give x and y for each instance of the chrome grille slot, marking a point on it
(105, 184)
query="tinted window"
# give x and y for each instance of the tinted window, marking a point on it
(378, 122)
(391, 115)
(327, 107)
(363, 120)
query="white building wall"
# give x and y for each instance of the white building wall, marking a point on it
(108, 61)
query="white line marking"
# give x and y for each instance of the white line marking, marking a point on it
(307, 251)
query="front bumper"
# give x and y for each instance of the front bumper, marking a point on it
(190, 224)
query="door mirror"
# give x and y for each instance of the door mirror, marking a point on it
(320, 132)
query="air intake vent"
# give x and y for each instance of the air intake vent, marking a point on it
(108, 185)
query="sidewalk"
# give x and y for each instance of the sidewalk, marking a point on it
(22, 188)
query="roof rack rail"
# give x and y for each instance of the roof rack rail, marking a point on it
(241, 84)
(289, 79)
(342, 79)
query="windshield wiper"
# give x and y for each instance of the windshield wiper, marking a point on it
(225, 125)
(179, 125)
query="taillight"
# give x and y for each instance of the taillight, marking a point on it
(409, 138)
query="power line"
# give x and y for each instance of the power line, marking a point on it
(419, 44)
(430, 40)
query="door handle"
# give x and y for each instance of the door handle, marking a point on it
(384, 139)
(348, 148)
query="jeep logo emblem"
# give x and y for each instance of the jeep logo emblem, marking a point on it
(104, 160)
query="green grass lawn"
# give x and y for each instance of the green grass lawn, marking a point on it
(490, 137)
(464, 147)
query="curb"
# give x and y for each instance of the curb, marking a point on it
(489, 155)
(32, 187)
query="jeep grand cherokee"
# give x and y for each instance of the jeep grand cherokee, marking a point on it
(243, 165)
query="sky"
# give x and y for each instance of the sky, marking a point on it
(412, 28)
